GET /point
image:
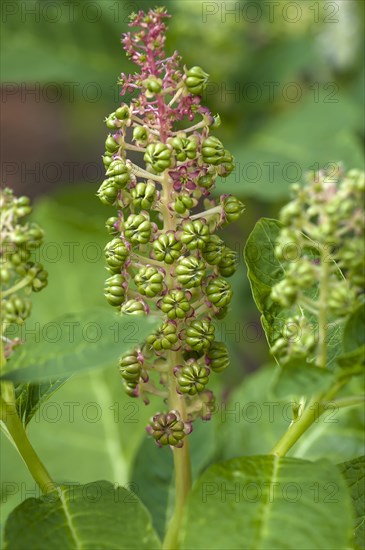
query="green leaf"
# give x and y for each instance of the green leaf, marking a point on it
(253, 420)
(283, 149)
(75, 343)
(29, 397)
(153, 471)
(92, 422)
(296, 379)
(353, 340)
(266, 502)
(354, 474)
(265, 271)
(95, 515)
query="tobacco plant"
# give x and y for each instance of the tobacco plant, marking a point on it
(167, 262)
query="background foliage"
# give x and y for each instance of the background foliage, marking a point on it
(289, 95)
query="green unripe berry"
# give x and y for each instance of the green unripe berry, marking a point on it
(164, 338)
(153, 84)
(166, 248)
(219, 292)
(134, 307)
(190, 272)
(158, 156)
(233, 208)
(175, 304)
(228, 264)
(16, 310)
(123, 112)
(218, 357)
(149, 281)
(206, 181)
(214, 250)
(143, 195)
(116, 254)
(110, 225)
(137, 228)
(130, 367)
(140, 134)
(192, 378)
(195, 235)
(200, 335)
(108, 191)
(111, 145)
(185, 148)
(167, 429)
(183, 202)
(212, 150)
(196, 80)
(114, 290)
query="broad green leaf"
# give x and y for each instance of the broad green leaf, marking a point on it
(265, 271)
(266, 502)
(75, 343)
(29, 397)
(354, 474)
(252, 420)
(353, 340)
(296, 379)
(95, 515)
(281, 151)
(153, 471)
(92, 422)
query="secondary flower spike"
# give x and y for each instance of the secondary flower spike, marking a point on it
(164, 258)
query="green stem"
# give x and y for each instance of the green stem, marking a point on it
(24, 282)
(183, 478)
(323, 307)
(350, 401)
(15, 428)
(297, 428)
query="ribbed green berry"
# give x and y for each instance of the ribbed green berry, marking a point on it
(214, 250)
(116, 254)
(140, 134)
(143, 195)
(19, 257)
(285, 292)
(22, 207)
(342, 298)
(108, 191)
(200, 335)
(196, 80)
(111, 145)
(183, 203)
(153, 84)
(137, 228)
(167, 429)
(227, 165)
(164, 338)
(131, 389)
(228, 264)
(216, 122)
(218, 357)
(212, 150)
(110, 224)
(40, 278)
(130, 367)
(192, 378)
(206, 181)
(219, 292)
(190, 272)
(158, 156)
(233, 208)
(123, 113)
(185, 148)
(175, 304)
(114, 290)
(134, 307)
(195, 235)
(107, 159)
(16, 309)
(119, 172)
(166, 248)
(149, 281)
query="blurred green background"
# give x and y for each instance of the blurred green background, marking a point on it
(287, 79)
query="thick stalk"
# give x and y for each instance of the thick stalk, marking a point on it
(323, 307)
(16, 430)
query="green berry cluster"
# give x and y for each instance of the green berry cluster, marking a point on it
(321, 248)
(164, 257)
(20, 274)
